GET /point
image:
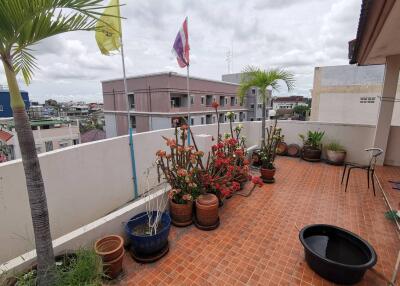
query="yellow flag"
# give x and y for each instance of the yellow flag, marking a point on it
(108, 29)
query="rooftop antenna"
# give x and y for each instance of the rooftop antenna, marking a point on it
(228, 60)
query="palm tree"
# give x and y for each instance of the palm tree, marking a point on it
(263, 79)
(24, 23)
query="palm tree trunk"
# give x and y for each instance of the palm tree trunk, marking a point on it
(263, 96)
(34, 182)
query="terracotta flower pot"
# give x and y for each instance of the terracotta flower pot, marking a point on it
(111, 250)
(207, 209)
(267, 174)
(335, 157)
(281, 149)
(181, 214)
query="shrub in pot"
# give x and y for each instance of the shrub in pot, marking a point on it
(180, 167)
(312, 145)
(148, 233)
(335, 153)
(268, 153)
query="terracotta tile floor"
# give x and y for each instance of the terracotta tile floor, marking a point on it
(257, 242)
(385, 174)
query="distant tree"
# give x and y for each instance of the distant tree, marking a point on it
(23, 24)
(301, 110)
(263, 79)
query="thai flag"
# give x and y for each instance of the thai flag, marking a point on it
(181, 45)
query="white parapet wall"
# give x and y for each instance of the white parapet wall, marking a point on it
(89, 181)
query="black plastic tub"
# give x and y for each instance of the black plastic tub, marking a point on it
(336, 254)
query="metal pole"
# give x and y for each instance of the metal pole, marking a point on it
(131, 146)
(189, 99)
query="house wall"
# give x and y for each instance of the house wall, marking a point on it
(338, 92)
(88, 181)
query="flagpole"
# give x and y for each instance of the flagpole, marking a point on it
(131, 146)
(189, 99)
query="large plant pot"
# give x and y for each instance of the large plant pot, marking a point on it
(281, 149)
(147, 245)
(312, 155)
(267, 175)
(335, 157)
(181, 214)
(207, 210)
(293, 150)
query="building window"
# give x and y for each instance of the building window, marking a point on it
(251, 119)
(75, 141)
(133, 121)
(232, 101)
(203, 100)
(235, 116)
(202, 120)
(226, 101)
(259, 105)
(252, 106)
(191, 99)
(131, 99)
(48, 145)
(191, 121)
(222, 100)
(209, 100)
(236, 100)
(253, 91)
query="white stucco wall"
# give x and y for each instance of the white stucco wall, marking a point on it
(158, 123)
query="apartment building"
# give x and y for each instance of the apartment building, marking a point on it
(5, 107)
(49, 134)
(288, 102)
(252, 100)
(159, 101)
(350, 94)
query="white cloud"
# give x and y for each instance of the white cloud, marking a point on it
(298, 35)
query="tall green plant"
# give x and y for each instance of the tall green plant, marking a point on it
(23, 24)
(263, 79)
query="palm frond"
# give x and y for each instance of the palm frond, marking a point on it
(25, 63)
(24, 23)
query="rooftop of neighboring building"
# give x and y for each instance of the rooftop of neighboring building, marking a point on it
(170, 74)
(93, 135)
(5, 135)
(293, 98)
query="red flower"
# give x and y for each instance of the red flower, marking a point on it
(215, 105)
(226, 192)
(235, 186)
(257, 181)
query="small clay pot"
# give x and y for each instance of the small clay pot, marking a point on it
(181, 214)
(113, 268)
(293, 150)
(207, 209)
(110, 249)
(267, 174)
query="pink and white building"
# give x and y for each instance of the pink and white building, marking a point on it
(158, 101)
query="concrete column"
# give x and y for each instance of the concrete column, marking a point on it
(386, 106)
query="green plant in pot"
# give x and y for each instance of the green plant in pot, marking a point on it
(335, 153)
(312, 145)
(268, 153)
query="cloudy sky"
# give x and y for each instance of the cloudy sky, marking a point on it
(295, 34)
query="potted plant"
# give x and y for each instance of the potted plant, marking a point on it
(180, 168)
(335, 153)
(111, 250)
(268, 153)
(148, 232)
(312, 145)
